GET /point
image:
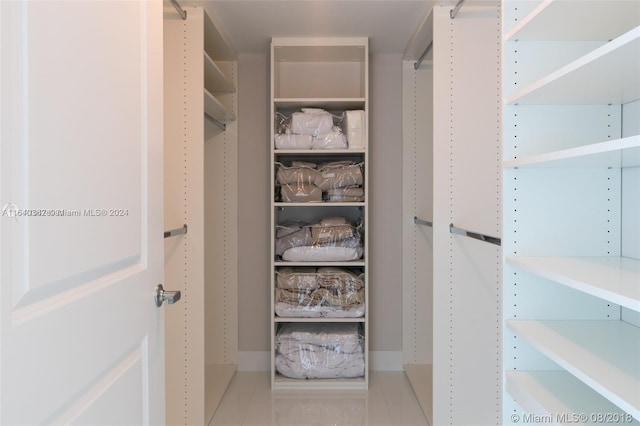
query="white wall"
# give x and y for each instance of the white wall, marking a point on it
(385, 207)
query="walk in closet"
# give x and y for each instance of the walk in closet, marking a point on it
(571, 211)
(319, 169)
(520, 211)
(200, 151)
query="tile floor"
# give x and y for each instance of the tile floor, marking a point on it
(388, 402)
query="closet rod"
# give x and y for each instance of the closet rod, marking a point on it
(424, 55)
(181, 11)
(454, 11)
(177, 231)
(422, 222)
(218, 123)
(481, 237)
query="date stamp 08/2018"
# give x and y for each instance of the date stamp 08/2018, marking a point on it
(568, 418)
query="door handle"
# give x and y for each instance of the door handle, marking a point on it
(161, 295)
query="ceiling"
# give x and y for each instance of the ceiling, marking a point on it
(250, 24)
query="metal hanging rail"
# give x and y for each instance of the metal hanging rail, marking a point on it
(181, 11)
(177, 231)
(422, 222)
(218, 123)
(475, 235)
(424, 55)
(454, 11)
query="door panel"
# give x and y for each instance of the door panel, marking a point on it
(81, 191)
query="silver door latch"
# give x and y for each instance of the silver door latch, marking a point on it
(161, 295)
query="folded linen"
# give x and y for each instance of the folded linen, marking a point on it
(287, 228)
(293, 141)
(314, 365)
(297, 278)
(292, 240)
(321, 365)
(299, 173)
(339, 176)
(343, 199)
(354, 128)
(323, 234)
(322, 254)
(344, 336)
(333, 140)
(338, 278)
(319, 350)
(300, 193)
(350, 191)
(312, 123)
(289, 310)
(320, 297)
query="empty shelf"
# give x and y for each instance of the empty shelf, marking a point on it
(602, 354)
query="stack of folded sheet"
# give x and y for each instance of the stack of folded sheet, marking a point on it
(320, 350)
(336, 181)
(323, 292)
(312, 128)
(332, 239)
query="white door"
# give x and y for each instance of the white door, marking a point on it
(81, 196)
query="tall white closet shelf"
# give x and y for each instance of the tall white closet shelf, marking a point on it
(200, 154)
(329, 74)
(452, 174)
(572, 267)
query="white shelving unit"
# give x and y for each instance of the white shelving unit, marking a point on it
(452, 174)
(200, 152)
(572, 267)
(331, 74)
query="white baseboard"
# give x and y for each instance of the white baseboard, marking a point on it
(378, 360)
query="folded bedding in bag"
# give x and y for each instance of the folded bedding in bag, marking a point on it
(349, 191)
(302, 237)
(349, 194)
(300, 193)
(343, 199)
(325, 292)
(354, 128)
(320, 297)
(298, 172)
(297, 278)
(345, 337)
(289, 310)
(339, 279)
(328, 350)
(333, 140)
(323, 254)
(339, 175)
(311, 122)
(293, 141)
(329, 234)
